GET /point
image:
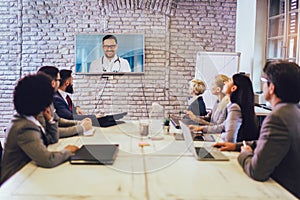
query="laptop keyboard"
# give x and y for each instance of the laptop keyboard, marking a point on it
(203, 153)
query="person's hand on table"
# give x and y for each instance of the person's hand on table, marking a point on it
(98, 115)
(86, 123)
(190, 114)
(79, 110)
(246, 148)
(225, 146)
(72, 148)
(195, 128)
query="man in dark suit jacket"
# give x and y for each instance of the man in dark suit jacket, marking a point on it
(276, 152)
(64, 126)
(63, 103)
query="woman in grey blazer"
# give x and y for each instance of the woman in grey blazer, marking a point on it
(25, 138)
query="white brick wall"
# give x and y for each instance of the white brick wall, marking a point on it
(37, 33)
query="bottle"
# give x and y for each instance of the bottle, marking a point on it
(156, 118)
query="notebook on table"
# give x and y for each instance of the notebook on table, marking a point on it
(201, 153)
(101, 154)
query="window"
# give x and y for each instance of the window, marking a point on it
(283, 30)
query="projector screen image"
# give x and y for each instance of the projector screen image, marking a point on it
(109, 53)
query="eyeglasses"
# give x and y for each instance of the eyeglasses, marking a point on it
(58, 79)
(264, 80)
(110, 46)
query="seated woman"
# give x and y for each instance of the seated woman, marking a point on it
(196, 103)
(240, 123)
(25, 139)
(213, 121)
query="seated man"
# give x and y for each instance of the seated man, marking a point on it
(64, 105)
(66, 127)
(276, 152)
(25, 138)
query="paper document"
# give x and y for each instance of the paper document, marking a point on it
(89, 132)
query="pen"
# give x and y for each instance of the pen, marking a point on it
(244, 143)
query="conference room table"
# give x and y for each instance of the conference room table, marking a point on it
(163, 169)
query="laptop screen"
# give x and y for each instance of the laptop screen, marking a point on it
(188, 138)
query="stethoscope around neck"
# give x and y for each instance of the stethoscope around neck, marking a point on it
(117, 60)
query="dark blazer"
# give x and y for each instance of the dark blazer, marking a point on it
(62, 108)
(198, 107)
(277, 149)
(63, 111)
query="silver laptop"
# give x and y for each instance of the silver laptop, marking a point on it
(201, 153)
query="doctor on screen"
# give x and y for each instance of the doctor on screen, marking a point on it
(110, 62)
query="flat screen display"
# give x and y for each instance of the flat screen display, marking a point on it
(109, 53)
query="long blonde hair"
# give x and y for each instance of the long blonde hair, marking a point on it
(220, 80)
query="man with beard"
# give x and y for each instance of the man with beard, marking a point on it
(110, 62)
(55, 126)
(63, 103)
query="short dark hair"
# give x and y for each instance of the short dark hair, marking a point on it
(109, 37)
(33, 94)
(50, 70)
(64, 75)
(285, 76)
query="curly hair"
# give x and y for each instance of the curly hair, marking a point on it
(33, 94)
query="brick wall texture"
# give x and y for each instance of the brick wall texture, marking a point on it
(35, 33)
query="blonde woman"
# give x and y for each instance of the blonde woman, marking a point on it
(240, 123)
(213, 121)
(196, 103)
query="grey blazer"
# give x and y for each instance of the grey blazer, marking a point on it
(24, 142)
(277, 152)
(218, 117)
(232, 123)
(64, 127)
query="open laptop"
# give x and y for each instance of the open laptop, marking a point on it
(175, 121)
(201, 153)
(101, 154)
(197, 136)
(111, 120)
